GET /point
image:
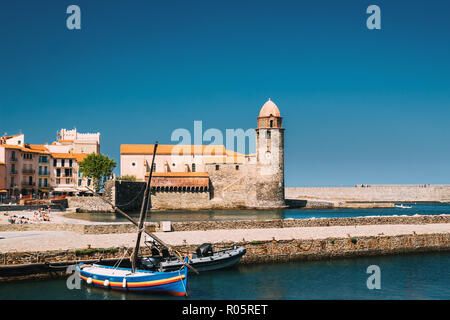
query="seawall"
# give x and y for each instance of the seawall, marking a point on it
(376, 193)
(125, 227)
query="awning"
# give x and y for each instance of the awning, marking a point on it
(65, 190)
(3, 191)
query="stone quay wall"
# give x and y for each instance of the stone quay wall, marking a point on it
(293, 223)
(378, 193)
(172, 200)
(124, 227)
(257, 251)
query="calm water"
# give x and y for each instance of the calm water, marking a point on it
(425, 276)
(422, 208)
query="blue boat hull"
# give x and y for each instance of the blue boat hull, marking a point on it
(174, 282)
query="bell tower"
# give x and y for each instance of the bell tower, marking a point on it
(270, 157)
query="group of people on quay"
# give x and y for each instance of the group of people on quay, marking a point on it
(38, 216)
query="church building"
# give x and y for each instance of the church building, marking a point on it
(210, 176)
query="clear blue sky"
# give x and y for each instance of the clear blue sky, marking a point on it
(359, 106)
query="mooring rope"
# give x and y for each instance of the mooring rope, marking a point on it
(300, 246)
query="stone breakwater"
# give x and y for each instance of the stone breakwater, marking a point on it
(257, 251)
(89, 204)
(377, 193)
(124, 227)
(314, 222)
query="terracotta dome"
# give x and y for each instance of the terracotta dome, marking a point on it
(269, 108)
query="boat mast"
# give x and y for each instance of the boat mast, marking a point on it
(146, 204)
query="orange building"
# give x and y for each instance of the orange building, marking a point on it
(37, 170)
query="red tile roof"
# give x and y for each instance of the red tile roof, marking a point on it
(168, 149)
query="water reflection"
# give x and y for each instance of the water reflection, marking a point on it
(201, 215)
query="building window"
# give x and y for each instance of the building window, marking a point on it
(88, 182)
(58, 172)
(45, 171)
(80, 182)
(58, 181)
(43, 159)
(12, 182)
(193, 167)
(13, 155)
(67, 172)
(217, 167)
(55, 162)
(70, 163)
(68, 181)
(45, 183)
(173, 164)
(154, 167)
(28, 156)
(62, 162)
(271, 123)
(268, 134)
(133, 164)
(40, 171)
(40, 183)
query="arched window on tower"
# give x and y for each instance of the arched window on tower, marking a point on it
(268, 134)
(271, 123)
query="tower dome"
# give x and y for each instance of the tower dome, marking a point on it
(269, 109)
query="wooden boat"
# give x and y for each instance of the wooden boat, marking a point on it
(204, 259)
(402, 206)
(173, 282)
(133, 279)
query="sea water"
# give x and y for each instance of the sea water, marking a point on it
(411, 276)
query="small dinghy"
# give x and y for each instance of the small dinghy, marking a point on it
(402, 206)
(140, 280)
(204, 259)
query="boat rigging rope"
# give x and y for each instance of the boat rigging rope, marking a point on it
(182, 280)
(117, 264)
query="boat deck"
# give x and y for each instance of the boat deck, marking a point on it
(116, 272)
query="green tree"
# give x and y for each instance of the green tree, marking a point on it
(99, 168)
(127, 178)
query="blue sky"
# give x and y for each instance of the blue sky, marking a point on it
(359, 105)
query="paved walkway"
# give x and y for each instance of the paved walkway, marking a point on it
(52, 240)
